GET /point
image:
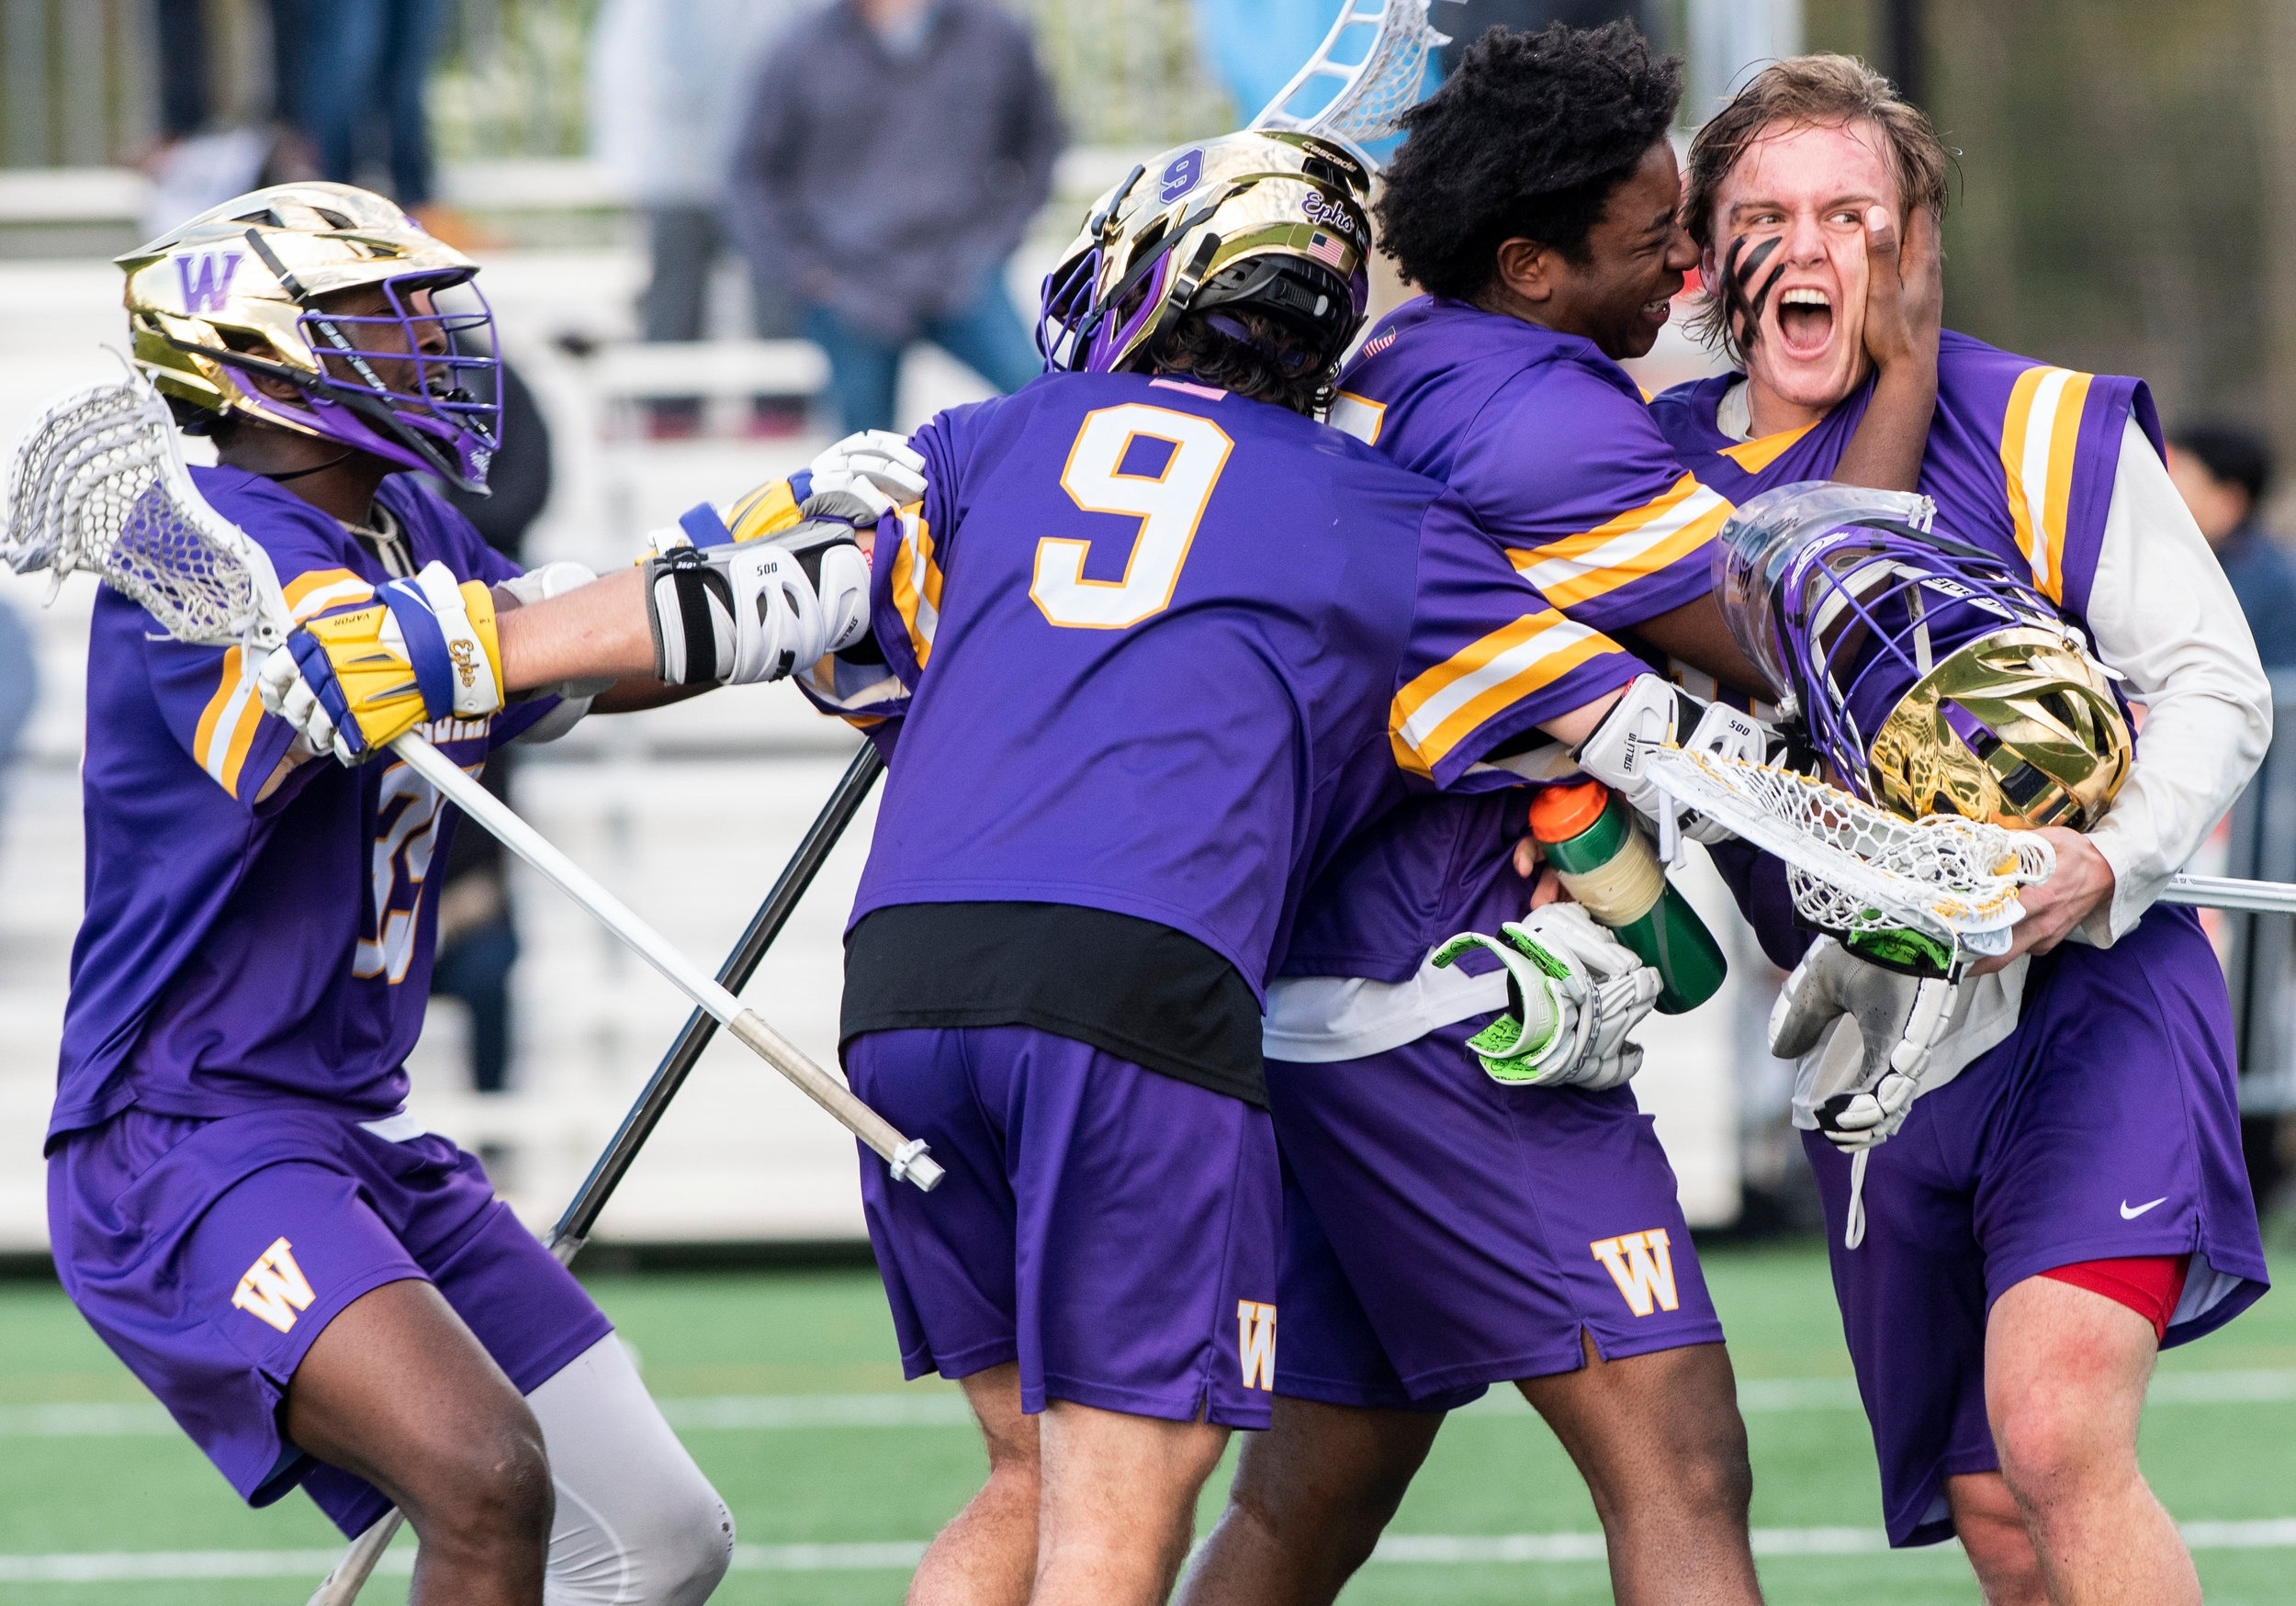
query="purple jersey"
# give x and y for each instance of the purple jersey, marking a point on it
(2022, 456)
(238, 954)
(1552, 447)
(1167, 648)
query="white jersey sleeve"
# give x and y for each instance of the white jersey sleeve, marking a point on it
(2163, 615)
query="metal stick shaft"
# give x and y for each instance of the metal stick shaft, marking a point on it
(341, 1586)
(574, 1226)
(2225, 892)
(460, 789)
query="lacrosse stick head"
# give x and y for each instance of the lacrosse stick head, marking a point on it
(98, 484)
(335, 291)
(1929, 673)
(1370, 69)
(1276, 223)
(1860, 871)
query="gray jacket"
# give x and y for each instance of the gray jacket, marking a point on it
(891, 190)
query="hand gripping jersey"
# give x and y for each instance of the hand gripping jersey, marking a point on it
(237, 954)
(1168, 647)
(1550, 444)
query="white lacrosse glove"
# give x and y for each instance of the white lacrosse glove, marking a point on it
(1654, 714)
(877, 464)
(732, 614)
(1861, 1102)
(1574, 993)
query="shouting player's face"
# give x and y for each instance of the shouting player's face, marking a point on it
(1637, 257)
(1789, 256)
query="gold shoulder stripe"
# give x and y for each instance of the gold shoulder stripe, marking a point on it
(1441, 707)
(915, 582)
(227, 726)
(2040, 434)
(1758, 454)
(1639, 543)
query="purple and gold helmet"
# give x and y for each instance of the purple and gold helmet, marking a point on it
(1276, 222)
(254, 287)
(1927, 672)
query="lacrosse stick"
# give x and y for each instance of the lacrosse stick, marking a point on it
(1854, 870)
(98, 484)
(1372, 92)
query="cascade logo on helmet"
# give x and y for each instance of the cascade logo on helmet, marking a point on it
(335, 292)
(1930, 676)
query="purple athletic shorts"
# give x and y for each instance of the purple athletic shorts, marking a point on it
(1111, 1229)
(1442, 1232)
(210, 1254)
(2106, 1125)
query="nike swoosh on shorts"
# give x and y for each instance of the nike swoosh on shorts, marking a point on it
(2129, 1215)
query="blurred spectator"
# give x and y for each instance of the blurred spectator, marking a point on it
(367, 64)
(20, 690)
(2224, 472)
(478, 943)
(666, 79)
(196, 163)
(891, 157)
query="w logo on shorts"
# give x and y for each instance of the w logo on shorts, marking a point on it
(1256, 1342)
(275, 1289)
(1638, 1263)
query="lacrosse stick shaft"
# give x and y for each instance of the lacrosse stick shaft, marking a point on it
(574, 1226)
(2225, 892)
(906, 1158)
(343, 1585)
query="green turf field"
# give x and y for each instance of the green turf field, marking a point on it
(781, 1383)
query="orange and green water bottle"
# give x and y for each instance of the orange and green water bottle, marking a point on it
(1589, 834)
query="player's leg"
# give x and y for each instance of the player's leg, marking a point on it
(1662, 1448)
(1105, 1238)
(638, 1524)
(396, 1391)
(2065, 1372)
(1993, 1535)
(1312, 1494)
(987, 1556)
(1119, 1503)
(1310, 1498)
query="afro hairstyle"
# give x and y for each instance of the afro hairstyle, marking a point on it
(1528, 137)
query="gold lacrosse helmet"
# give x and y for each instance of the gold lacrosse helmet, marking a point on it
(1981, 699)
(254, 286)
(1276, 222)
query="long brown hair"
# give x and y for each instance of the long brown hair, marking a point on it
(1818, 91)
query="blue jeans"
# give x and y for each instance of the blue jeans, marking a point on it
(363, 57)
(986, 335)
(20, 690)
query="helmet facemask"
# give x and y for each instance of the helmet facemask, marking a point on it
(1927, 673)
(258, 286)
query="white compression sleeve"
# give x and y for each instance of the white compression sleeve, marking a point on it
(638, 1523)
(2163, 615)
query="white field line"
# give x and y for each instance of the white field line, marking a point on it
(923, 1409)
(900, 1555)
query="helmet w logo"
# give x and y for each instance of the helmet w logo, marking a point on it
(1639, 1263)
(206, 279)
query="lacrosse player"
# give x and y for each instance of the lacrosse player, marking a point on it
(2067, 1196)
(1445, 1230)
(320, 1292)
(1153, 644)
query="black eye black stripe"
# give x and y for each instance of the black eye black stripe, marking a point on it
(1734, 277)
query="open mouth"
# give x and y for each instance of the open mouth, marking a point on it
(1806, 320)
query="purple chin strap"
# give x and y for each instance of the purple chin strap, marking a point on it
(449, 423)
(1866, 608)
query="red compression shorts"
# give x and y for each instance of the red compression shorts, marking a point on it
(2149, 1285)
